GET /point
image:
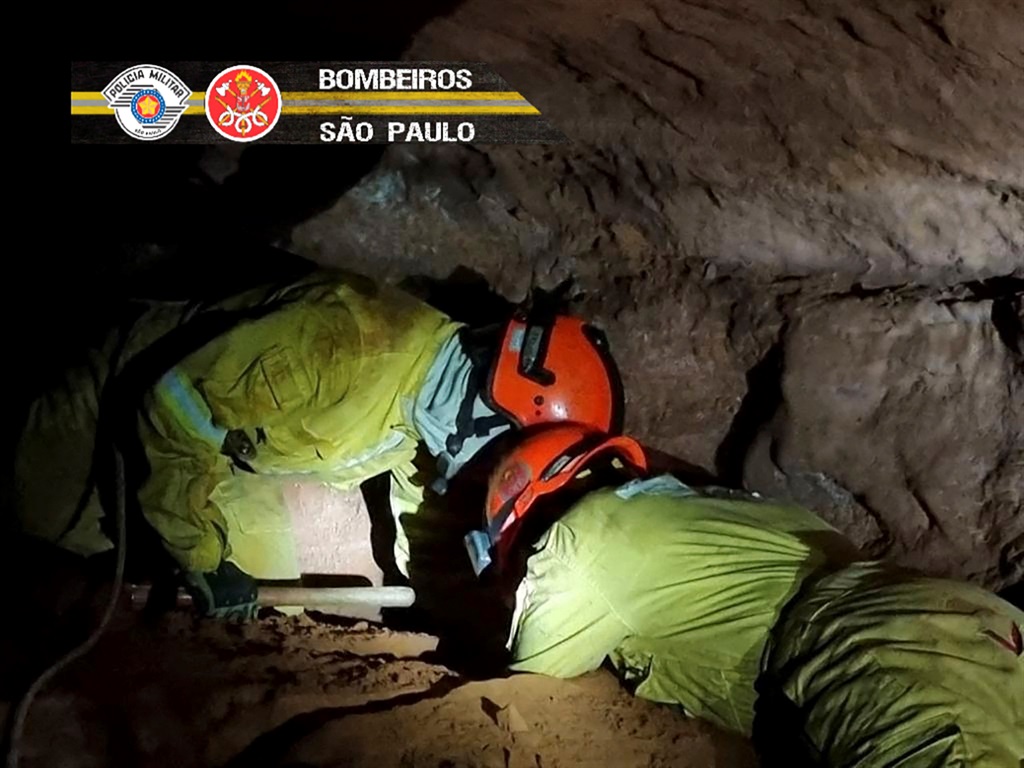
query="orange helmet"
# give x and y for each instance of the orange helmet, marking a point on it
(542, 463)
(551, 368)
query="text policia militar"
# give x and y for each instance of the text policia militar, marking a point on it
(383, 79)
(347, 129)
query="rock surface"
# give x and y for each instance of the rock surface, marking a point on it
(739, 174)
(916, 411)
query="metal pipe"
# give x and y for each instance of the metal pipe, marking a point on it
(377, 597)
(303, 597)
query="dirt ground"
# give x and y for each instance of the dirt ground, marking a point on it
(303, 692)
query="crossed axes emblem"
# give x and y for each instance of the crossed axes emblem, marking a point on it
(245, 118)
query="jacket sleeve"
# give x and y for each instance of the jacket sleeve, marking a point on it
(563, 625)
(406, 499)
(182, 448)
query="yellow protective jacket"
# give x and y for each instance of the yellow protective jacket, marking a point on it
(680, 591)
(318, 373)
(322, 384)
(725, 604)
(877, 667)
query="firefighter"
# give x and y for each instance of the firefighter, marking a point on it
(329, 376)
(754, 615)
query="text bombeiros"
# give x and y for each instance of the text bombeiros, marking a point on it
(385, 79)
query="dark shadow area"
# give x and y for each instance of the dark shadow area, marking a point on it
(465, 296)
(1008, 318)
(466, 613)
(270, 748)
(331, 580)
(136, 194)
(147, 194)
(764, 394)
(57, 598)
(376, 492)
(1014, 595)
(778, 723)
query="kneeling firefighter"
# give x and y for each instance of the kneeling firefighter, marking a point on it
(754, 615)
(329, 375)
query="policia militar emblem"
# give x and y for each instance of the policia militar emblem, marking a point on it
(147, 100)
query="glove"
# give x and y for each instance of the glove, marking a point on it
(226, 593)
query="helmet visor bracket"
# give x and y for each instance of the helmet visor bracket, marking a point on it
(534, 354)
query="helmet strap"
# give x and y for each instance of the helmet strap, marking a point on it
(465, 424)
(479, 346)
(494, 527)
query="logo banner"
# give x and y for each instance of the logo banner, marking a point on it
(297, 102)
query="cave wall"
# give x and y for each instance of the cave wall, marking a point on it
(879, 142)
(802, 225)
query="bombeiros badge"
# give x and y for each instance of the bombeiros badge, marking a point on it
(147, 101)
(243, 103)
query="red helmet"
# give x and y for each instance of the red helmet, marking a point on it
(542, 463)
(552, 368)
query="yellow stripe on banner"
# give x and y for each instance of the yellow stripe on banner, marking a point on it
(347, 110)
(342, 109)
(356, 95)
(402, 95)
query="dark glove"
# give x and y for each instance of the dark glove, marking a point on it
(226, 593)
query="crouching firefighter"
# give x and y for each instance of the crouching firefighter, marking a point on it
(330, 377)
(754, 615)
